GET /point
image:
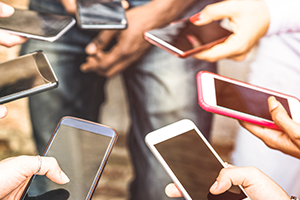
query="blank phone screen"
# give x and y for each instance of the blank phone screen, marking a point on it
(101, 12)
(80, 154)
(195, 166)
(24, 73)
(31, 22)
(245, 100)
(186, 36)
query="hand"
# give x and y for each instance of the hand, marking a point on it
(3, 111)
(8, 39)
(249, 20)
(16, 172)
(255, 183)
(286, 140)
(130, 45)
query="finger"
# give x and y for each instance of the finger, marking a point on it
(282, 119)
(171, 190)
(70, 6)
(214, 12)
(6, 10)
(9, 40)
(125, 4)
(100, 42)
(3, 111)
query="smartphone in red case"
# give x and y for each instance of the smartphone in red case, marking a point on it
(182, 38)
(240, 100)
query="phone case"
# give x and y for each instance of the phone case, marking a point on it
(181, 54)
(229, 113)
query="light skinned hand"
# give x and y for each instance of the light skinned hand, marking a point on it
(8, 39)
(287, 140)
(3, 111)
(249, 21)
(15, 173)
(256, 184)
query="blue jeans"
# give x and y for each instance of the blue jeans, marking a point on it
(161, 89)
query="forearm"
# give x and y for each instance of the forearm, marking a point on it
(166, 11)
(284, 15)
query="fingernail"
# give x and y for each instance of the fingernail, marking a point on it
(214, 186)
(91, 48)
(64, 177)
(273, 103)
(3, 111)
(7, 10)
(195, 17)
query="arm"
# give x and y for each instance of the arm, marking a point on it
(130, 44)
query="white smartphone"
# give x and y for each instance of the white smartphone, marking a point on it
(36, 25)
(101, 14)
(190, 161)
(243, 101)
(26, 75)
(82, 149)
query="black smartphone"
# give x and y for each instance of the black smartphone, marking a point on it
(26, 75)
(82, 149)
(182, 38)
(36, 25)
(101, 14)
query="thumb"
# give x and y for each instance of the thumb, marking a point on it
(6, 10)
(213, 12)
(280, 116)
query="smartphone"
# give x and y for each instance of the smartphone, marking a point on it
(101, 14)
(229, 97)
(26, 75)
(82, 149)
(36, 25)
(182, 38)
(190, 161)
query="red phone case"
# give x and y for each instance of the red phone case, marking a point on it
(189, 52)
(233, 114)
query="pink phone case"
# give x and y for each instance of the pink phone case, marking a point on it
(186, 53)
(239, 116)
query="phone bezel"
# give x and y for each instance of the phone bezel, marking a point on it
(35, 90)
(207, 100)
(169, 132)
(174, 50)
(87, 126)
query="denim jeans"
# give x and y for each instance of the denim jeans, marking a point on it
(161, 89)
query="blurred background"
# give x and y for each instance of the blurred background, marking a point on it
(16, 137)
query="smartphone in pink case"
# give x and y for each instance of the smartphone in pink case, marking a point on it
(240, 100)
(182, 38)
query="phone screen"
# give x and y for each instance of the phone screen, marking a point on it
(80, 154)
(101, 12)
(24, 73)
(186, 36)
(35, 23)
(245, 100)
(195, 166)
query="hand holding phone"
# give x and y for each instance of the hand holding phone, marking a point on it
(101, 14)
(82, 149)
(229, 97)
(36, 25)
(182, 38)
(190, 161)
(26, 75)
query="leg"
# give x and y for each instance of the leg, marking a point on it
(161, 90)
(78, 94)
